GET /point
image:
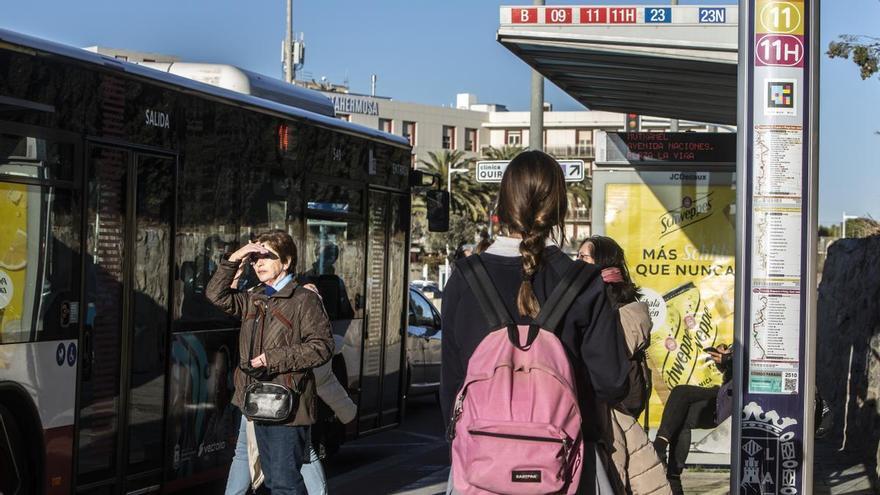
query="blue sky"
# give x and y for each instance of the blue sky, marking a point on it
(427, 51)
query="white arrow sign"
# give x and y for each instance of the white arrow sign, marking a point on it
(491, 171)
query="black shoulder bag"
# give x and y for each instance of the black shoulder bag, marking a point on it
(265, 401)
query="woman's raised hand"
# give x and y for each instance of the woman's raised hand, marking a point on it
(244, 251)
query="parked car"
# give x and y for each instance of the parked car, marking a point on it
(423, 343)
(428, 288)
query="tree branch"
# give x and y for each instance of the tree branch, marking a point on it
(865, 52)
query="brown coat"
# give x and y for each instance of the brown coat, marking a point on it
(290, 327)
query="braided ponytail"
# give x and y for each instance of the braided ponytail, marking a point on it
(532, 202)
(531, 248)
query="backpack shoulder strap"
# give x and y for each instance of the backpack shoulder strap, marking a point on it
(556, 306)
(477, 278)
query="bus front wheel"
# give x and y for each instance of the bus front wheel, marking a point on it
(15, 470)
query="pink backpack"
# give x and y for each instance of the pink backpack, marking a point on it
(516, 424)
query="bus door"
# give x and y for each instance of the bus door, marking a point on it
(387, 292)
(127, 263)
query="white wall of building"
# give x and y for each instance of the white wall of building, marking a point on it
(430, 121)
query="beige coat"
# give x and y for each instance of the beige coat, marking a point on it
(638, 467)
(635, 459)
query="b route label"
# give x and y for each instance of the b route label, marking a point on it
(491, 171)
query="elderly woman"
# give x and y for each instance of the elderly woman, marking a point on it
(285, 334)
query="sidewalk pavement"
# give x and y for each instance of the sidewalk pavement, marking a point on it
(706, 482)
(835, 473)
(851, 480)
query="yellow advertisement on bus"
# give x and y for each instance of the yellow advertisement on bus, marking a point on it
(13, 257)
(679, 241)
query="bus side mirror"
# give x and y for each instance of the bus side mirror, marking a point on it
(423, 180)
(438, 210)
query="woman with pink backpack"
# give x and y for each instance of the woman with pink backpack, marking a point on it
(531, 345)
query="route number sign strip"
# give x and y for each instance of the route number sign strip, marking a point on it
(587, 15)
(491, 171)
(775, 265)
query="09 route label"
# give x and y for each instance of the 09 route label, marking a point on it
(558, 15)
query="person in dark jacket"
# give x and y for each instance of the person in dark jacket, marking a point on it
(525, 266)
(639, 469)
(288, 332)
(635, 318)
(689, 407)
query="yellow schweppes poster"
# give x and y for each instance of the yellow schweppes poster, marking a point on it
(13, 259)
(679, 241)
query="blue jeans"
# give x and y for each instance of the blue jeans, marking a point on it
(282, 452)
(313, 474)
(239, 479)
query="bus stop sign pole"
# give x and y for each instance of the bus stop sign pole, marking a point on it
(777, 174)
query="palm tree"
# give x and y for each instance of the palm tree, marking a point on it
(579, 194)
(468, 198)
(506, 152)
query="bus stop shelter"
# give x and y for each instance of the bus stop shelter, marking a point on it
(643, 60)
(657, 61)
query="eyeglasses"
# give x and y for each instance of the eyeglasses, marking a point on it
(255, 257)
(585, 257)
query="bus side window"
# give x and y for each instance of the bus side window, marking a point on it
(39, 242)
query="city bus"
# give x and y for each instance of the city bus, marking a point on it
(121, 188)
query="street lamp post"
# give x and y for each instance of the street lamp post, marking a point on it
(449, 172)
(843, 224)
(289, 71)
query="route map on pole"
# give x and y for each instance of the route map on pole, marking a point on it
(777, 195)
(776, 293)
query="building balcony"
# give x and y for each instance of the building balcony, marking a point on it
(582, 151)
(580, 215)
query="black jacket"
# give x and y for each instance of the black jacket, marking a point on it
(590, 331)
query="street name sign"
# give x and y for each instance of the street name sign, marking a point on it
(491, 171)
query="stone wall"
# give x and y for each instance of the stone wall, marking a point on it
(848, 345)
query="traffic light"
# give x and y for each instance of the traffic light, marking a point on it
(438, 210)
(633, 122)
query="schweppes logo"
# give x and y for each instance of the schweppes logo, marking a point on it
(692, 210)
